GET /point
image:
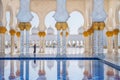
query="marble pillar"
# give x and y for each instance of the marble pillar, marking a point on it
(109, 44)
(27, 53)
(64, 43)
(61, 25)
(12, 75)
(98, 18)
(18, 42)
(2, 50)
(24, 17)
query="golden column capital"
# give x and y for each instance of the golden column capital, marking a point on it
(58, 26)
(90, 31)
(101, 25)
(64, 25)
(61, 25)
(21, 26)
(3, 30)
(24, 25)
(12, 32)
(18, 34)
(27, 26)
(39, 34)
(109, 33)
(98, 25)
(86, 33)
(95, 25)
(115, 31)
(42, 34)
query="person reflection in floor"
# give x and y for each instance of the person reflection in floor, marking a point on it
(34, 52)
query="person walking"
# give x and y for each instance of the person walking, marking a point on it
(34, 52)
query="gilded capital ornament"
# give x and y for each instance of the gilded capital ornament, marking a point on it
(101, 25)
(12, 32)
(27, 26)
(64, 25)
(24, 26)
(95, 25)
(3, 30)
(109, 33)
(18, 34)
(90, 31)
(42, 34)
(115, 31)
(86, 33)
(61, 25)
(58, 26)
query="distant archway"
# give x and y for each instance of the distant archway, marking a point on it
(75, 21)
(50, 21)
(35, 21)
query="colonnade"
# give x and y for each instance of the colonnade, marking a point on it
(93, 40)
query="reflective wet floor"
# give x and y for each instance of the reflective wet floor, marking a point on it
(52, 70)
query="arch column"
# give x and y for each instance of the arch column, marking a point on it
(58, 27)
(24, 17)
(115, 35)
(61, 25)
(116, 32)
(86, 46)
(12, 33)
(18, 42)
(2, 50)
(109, 44)
(98, 18)
(42, 45)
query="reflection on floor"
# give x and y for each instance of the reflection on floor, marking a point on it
(47, 70)
(53, 70)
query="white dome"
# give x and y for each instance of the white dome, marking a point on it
(50, 31)
(80, 30)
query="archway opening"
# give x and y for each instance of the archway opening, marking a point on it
(35, 21)
(50, 21)
(75, 21)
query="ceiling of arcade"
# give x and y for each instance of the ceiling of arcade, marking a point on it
(43, 7)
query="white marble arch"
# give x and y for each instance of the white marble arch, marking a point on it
(49, 21)
(76, 15)
(35, 23)
(42, 7)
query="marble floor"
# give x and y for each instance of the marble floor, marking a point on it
(75, 68)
